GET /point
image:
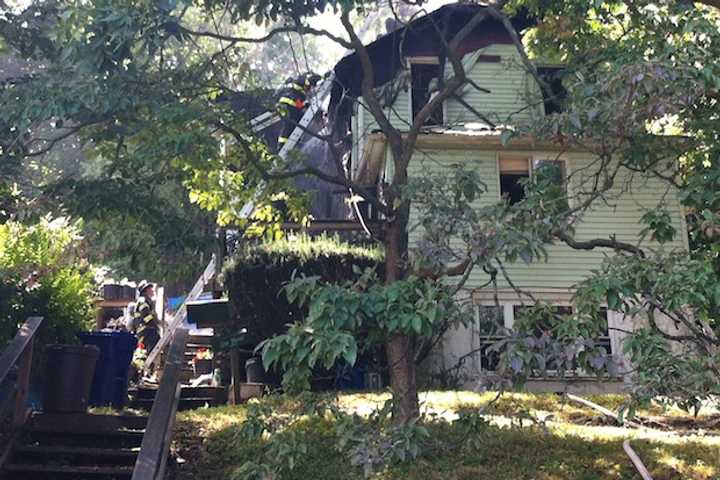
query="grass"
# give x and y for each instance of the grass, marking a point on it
(556, 441)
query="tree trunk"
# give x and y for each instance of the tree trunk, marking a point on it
(401, 361)
(400, 347)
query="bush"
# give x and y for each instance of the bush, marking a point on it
(43, 274)
(256, 274)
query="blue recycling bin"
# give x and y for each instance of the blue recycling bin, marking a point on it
(110, 383)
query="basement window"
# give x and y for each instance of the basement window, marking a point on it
(490, 323)
(545, 328)
(514, 171)
(425, 74)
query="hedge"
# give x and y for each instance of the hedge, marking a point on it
(255, 275)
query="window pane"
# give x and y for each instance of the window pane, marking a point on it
(554, 169)
(545, 324)
(490, 330)
(489, 359)
(423, 74)
(490, 321)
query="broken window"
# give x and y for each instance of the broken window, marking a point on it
(514, 171)
(425, 74)
(553, 77)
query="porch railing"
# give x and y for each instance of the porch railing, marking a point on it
(155, 447)
(19, 352)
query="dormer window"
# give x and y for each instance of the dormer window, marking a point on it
(425, 74)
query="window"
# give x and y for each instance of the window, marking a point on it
(490, 330)
(514, 171)
(553, 76)
(555, 169)
(425, 74)
(543, 327)
(603, 341)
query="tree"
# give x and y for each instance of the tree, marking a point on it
(147, 84)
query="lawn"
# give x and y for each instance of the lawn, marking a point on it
(540, 437)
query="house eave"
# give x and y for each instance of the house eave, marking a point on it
(483, 141)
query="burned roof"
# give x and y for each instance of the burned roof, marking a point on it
(424, 36)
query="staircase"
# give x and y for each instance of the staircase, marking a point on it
(72, 446)
(190, 397)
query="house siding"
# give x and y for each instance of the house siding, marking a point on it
(618, 215)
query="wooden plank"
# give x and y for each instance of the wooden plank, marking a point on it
(181, 313)
(86, 423)
(20, 413)
(67, 469)
(15, 349)
(85, 451)
(156, 442)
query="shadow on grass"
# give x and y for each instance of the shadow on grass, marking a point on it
(210, 443)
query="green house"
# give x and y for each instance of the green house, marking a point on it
(467, 130)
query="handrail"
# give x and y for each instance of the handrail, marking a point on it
(181, 313)
(155, 446)
(19, 351)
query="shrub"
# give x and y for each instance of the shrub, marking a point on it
(43, 273)
(256, 274)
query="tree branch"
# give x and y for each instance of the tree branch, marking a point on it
(611, 242)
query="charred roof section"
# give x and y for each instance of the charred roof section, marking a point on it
(425, 36)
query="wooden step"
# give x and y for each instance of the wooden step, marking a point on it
(86, 423)
(111, 439)
(198, 402)
(185, 392)
(47, 472)
(188, 403)
(204, 340)
(77, 456)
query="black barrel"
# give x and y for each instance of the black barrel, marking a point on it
(68, 377)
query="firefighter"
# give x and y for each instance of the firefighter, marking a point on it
(146, 323)
(292, 101)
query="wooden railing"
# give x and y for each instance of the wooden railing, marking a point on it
(19, 352)
(181, 314)
(155, 447)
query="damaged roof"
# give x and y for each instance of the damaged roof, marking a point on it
(424, 36)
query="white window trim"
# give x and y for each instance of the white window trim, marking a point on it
(422, 60)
